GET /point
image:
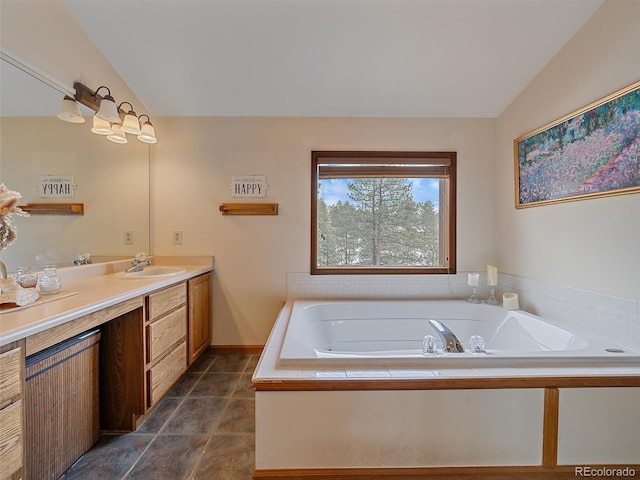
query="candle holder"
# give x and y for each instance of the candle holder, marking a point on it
(492, 296)
(473, 298)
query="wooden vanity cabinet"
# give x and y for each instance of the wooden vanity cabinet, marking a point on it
(166, 340)
(199, 333)
(145, 348)
(146, 351)
(12, 358)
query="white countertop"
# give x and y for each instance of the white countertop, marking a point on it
(97, 287)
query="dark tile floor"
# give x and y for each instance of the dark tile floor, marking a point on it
(203, 429)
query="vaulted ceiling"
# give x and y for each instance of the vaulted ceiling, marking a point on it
(383, 58)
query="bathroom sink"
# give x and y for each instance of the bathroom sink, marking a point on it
(153, 272)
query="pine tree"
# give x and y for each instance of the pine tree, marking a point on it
(381, 226)
(382, 204)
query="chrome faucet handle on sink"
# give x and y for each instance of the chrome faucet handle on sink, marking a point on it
(139, 262)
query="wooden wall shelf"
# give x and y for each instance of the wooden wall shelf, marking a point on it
(249, 209)
(53, 208)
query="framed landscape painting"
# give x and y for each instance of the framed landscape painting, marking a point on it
(592, 152)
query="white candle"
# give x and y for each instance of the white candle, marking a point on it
(473, 279)
(492, 275)
(510, 301)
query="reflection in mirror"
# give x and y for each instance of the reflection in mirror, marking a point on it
(111, 180)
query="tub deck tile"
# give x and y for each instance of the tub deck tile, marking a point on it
(412, 373)
(369, 373)
(324, 374)
(455, 372)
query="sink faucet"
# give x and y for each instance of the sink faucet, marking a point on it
(139, 262)
(83, 259)
(451, 342)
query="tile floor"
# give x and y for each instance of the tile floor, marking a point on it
(203, 429)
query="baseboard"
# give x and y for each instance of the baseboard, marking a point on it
(235, 349)
(448, 473)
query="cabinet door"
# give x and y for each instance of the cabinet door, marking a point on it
(12, 411)
(11, 443)
(10, 376)
(199, 333)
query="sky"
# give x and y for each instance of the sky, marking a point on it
(334, 190)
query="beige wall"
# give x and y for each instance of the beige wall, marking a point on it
(192, 166)
(590, 244)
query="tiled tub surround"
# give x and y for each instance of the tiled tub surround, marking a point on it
(376, 420)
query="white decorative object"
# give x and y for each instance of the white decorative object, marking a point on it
(11, 292)
(492, 275)
(56, 186)
(492, 281)
(8, 206)
(510, 301)
(473, 279)
(249, 186)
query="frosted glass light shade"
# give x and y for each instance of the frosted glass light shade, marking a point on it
(70, 111)
(118, 136)
(108, 110)
(130, 124)
(101, 127)
(147, 133)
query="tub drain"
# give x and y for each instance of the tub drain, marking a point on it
(329, 348)
(614, 350)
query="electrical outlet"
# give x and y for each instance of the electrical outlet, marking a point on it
(177, 237)
(128, 237)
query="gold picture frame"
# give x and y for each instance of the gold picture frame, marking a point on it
(592, 152)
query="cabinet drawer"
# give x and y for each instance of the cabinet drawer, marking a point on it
(166, 332)
(166, 372)
(10, 378)
(166, 300)
(11, 439)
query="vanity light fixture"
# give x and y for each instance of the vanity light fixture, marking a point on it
(101, 127)
(70, 111)
(147, 132)
(118, 136)
(108, 110)
(130, 122)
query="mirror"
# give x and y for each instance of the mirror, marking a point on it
(111, 180)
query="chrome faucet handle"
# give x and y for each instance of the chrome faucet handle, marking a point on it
(140, 257)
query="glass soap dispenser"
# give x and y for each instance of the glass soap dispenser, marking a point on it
(50, 282)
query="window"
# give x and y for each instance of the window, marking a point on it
(383, 212)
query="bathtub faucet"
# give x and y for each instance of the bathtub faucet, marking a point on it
(451, 342)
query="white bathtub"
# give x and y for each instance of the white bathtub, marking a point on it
(391, 333)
